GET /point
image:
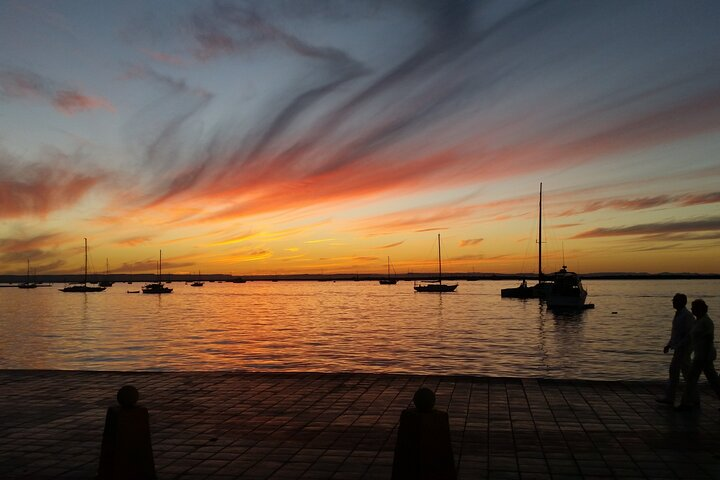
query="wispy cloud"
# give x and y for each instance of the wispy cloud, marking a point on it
(390, 245)
(699, 225)
(470, 242)
(36, 189)
(23, 84)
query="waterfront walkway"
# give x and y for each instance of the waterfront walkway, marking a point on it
(343, 426)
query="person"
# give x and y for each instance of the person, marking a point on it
(423, 450)
(681, 346)
(704, 355)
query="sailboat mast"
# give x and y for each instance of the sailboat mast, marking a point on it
(160, 268)
(439, 262)
(540, 275)
(85, 276)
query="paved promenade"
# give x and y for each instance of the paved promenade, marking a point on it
(343, 426)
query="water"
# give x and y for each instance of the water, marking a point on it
(346, 327)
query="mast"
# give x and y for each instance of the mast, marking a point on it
(85, 276)
(540, 275)
(160, 268)
(439, 262)
(28, 272)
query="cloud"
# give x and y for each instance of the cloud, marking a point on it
(390, 245)
(24, 84)
(42, 187)
(700, 225)
(133, 241)
(341, 124)
(470, 242)
(38, 242)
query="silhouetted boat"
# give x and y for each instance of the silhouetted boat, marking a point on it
(84, 288)
(106, 282)
(27, 283)
(133, 291)
(158, 287)
(435, 286)
(567, 291)
(541, 289)
(388, 280)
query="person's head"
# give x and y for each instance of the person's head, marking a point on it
(699, 307)
(424, 399)
(679, 300)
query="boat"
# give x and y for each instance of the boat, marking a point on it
(133, 291)
(158, 287)
(388, 280)
(106, 282)
(27, 283)
(84, 288)
(197, 283)
(567, 291)
(436, 285)
(542, 288)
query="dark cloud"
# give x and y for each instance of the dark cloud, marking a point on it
(700, 225)
(470, 242)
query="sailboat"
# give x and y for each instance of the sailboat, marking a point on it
(84, 287)
(197, 283)
(158, 287)
(388, 280)
(541, 289)
(436, 286)
(106, 282)
(27, 283)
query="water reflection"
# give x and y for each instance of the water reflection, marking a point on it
(344, 326)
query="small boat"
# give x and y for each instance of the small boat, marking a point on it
(567, 291)
(82, 288)
(197, 283)
(27, 283)
(540, 289)
(133, 291)
(436, 285)
(106, 282)
(158, 287)
(388, 280)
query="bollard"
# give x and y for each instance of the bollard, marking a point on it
(423, 449)
(126, 451)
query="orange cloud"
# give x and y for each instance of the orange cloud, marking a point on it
(38, 189)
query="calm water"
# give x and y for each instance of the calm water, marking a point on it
(346, 327)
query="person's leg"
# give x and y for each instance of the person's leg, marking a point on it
(676, 365)
(712, 377)
(690, 396)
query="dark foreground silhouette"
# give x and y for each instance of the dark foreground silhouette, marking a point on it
(423, 449)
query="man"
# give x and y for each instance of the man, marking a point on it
(703, 342)
(680, 343)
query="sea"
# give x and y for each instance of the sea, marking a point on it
(347, 326)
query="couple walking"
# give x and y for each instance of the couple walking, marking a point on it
(692, 342)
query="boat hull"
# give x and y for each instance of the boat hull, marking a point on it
(156, 288)
(387, 281)
(437, 288)
(82, 289)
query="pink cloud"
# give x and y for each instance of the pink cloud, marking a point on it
(70, 101)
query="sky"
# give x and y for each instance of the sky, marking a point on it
(285, 137)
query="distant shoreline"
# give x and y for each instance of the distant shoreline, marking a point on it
(11, 280)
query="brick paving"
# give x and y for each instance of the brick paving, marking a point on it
(342, 426)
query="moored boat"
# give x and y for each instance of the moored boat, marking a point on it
(567, 291)
(84, 287)
(436, 286)
(157, 287)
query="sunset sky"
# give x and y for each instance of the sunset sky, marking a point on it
(271, 137)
